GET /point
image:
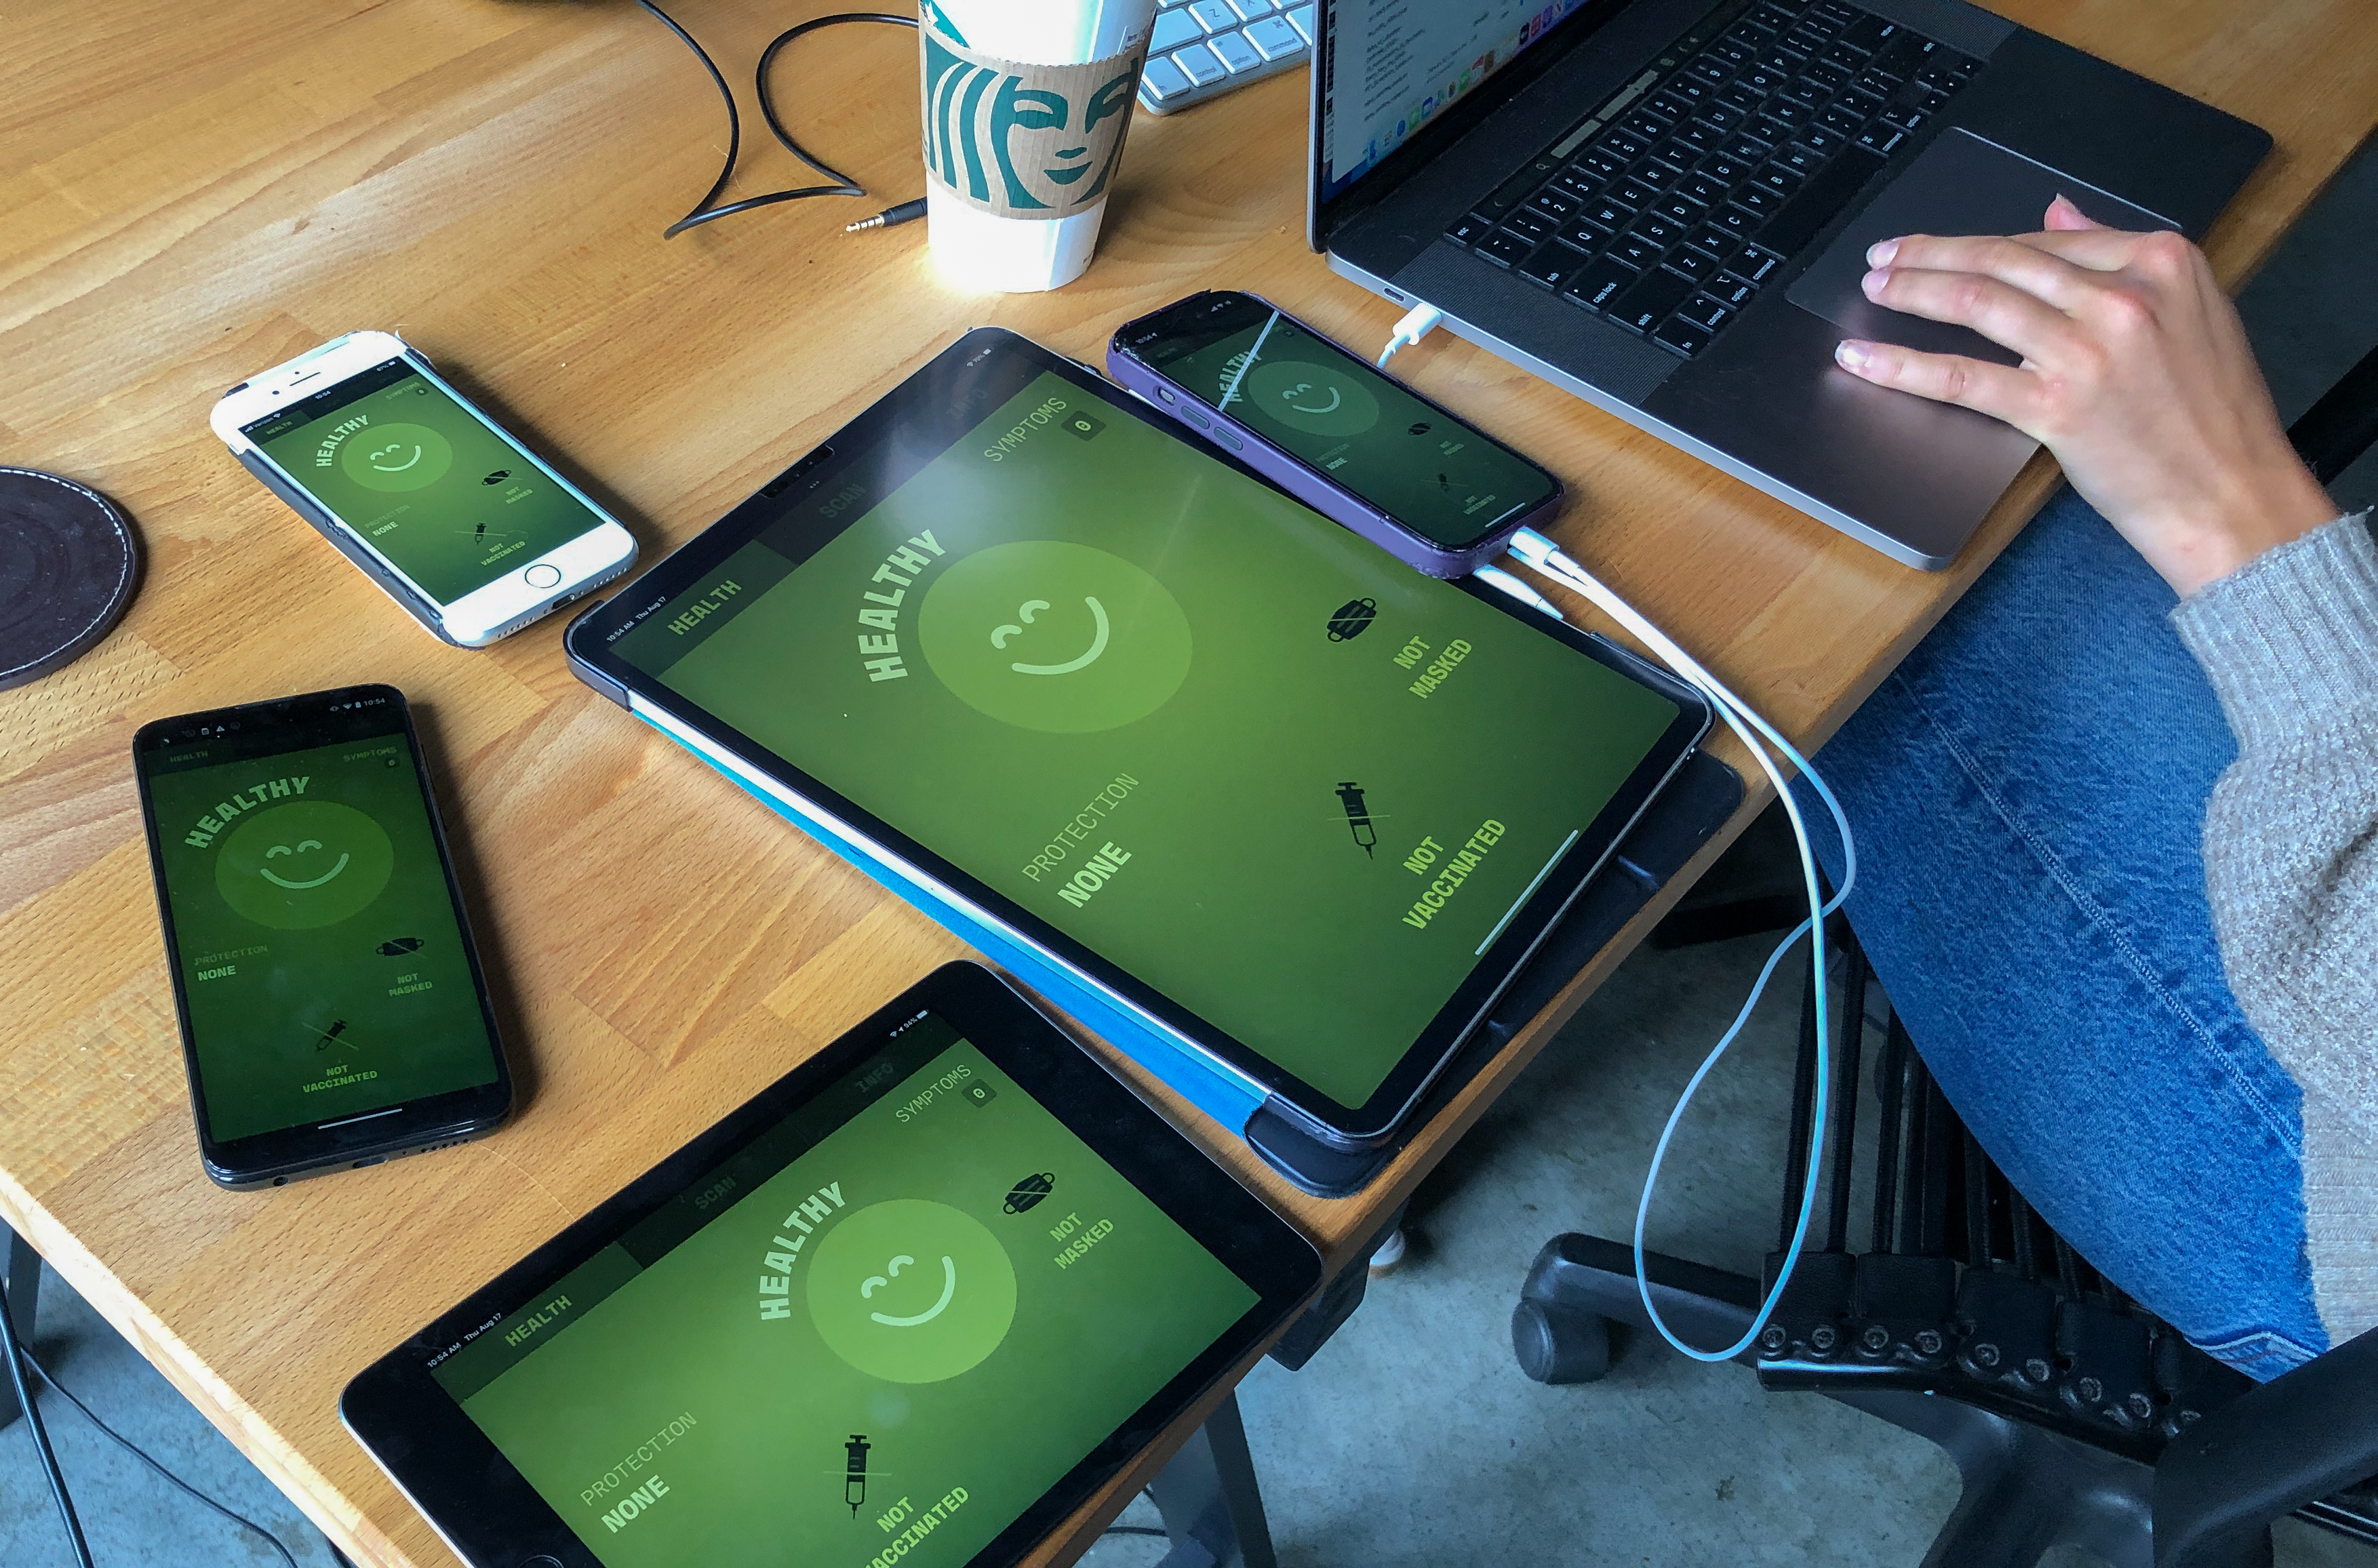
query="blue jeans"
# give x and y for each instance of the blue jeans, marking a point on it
(2028, 792)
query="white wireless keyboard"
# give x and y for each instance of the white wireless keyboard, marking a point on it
(1203, 48)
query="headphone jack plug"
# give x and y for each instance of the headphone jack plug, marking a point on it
(906, 212)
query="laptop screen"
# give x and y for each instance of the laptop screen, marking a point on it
(1393, 66)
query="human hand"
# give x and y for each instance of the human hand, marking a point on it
(2135, 374)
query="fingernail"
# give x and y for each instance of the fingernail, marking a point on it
(1872, 282)
(1880, 253)
(1850, 354)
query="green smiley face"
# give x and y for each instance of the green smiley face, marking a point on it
(911, 1291)
(1318, 399)
(396, 457)
(1056, 637)
(307, 863)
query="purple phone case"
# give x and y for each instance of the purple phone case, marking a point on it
(1307, 485)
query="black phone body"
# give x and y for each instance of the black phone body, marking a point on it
(1344, 438)
(332, 1009)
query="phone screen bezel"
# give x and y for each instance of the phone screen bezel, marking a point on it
(272, 1157)
(489, 1512)
(933, 408)
(1203, 319)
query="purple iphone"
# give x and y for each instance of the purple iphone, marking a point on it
(1354, 443)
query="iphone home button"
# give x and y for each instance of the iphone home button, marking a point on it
(543, 575)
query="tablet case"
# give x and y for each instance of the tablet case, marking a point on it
(1698, 799)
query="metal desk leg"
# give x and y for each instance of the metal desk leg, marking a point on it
(20, 1269)
(1208, 1496)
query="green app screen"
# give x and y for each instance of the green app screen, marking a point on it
(878, 1334)
(442, 496)
(1242, 754)
(322, 967)
(1359, 426)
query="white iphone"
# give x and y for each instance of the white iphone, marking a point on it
(462, 525)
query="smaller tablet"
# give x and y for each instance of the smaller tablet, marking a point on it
(913, 1303)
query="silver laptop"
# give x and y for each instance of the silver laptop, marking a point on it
(1663, 207)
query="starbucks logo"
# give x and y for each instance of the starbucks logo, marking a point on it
(1023, 140)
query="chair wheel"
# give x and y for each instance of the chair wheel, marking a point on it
(1560, 1345)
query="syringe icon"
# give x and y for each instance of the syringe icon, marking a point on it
(854, 1475)
(1358, 816)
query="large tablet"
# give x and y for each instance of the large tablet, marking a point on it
(913, 1303)
(1281, 800)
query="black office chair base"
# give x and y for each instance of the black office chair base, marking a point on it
(2074, 1416)
(1559, 1345)
(2027, 1489)
(1580, 1284)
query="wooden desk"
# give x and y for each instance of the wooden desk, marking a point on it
(189, 193)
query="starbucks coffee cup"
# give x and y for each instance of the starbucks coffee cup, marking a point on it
(1026, 104)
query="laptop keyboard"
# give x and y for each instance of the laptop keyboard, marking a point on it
(1669, 208)
(1204, 48)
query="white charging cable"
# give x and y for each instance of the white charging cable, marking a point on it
(1738, 716)
(1495, 577)
(1417, 323)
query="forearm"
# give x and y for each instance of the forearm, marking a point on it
(2270, 499)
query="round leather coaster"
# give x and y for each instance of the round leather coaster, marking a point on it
(67, 567)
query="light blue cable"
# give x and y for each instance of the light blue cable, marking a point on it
(1547, 557)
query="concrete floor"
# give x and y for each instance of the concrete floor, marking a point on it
(128, 1514)
(1664, 1461)
(1412, 1439)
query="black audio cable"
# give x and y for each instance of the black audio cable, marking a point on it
(242, 1520)
(17, 1358)
(703, 212)
(20, 1357)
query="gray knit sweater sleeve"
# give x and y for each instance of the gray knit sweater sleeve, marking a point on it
(2290, 644)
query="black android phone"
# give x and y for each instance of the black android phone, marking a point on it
(1349, 441)
(333, 1007)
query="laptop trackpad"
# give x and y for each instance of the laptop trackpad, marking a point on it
(1960, 184)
